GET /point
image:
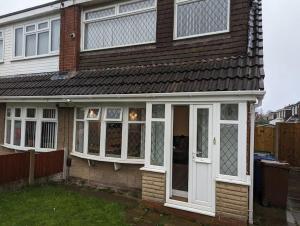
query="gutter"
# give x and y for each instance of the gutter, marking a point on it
(252, 135)
(230, 95)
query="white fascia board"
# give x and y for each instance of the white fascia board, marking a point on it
(221, 96)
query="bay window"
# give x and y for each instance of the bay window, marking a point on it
(1, 46)
(37, 39)
(110, 133)
(123, 24)
(31, 128)
(201, 17)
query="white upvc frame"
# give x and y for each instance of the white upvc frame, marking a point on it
(241, 178)
(175, 37)
(116, 15)
(3, 45)
(36, 32)
(103, 123)
(38, 119)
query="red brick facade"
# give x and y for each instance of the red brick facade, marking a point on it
(70, 39)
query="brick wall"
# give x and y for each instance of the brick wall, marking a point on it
(154, 187)
(232, 201)
(70, 45)
(102, 174)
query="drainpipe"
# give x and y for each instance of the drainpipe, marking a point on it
(252, 134)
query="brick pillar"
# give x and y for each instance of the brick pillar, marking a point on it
(70, 39)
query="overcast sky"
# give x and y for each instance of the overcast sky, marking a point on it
(281, 20)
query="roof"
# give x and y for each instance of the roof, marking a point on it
(239, 73)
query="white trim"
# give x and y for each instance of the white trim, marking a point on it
(187, 207)
(214, 96)
(246, 183)
(175, 37)
(116, 15)
(162, 171)
(3, 45)
(180, 193)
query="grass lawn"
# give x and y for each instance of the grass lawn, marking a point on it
(54, 205)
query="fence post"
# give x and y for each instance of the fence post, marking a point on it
(31, 166)
(65, 173)
(277, 138)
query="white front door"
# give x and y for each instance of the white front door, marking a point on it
(201, 182)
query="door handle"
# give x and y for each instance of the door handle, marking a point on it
(215, 141)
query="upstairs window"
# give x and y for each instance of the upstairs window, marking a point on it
(1, 46)
(201, 17)
(37, 39)
(123, 24)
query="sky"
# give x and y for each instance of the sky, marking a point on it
(281, 26)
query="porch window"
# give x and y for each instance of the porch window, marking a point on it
(232, 139)
(123, 24)
(157, 135)
(1, 46)
(110, 133)
(31, 128)
(201, 17)
(37, 39)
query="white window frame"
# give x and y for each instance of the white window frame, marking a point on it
(242, 143)
(2, 39)
(36, 32)
(116, 15)
(38, 119)
(103, 120)
(175, 37)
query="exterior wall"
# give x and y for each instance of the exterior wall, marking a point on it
(24, 66)
(232, 201)
(70, 46)
(166, 49)
(154, 187)
(65, 128)
(103, 174)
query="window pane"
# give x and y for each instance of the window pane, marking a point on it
(202, 133)
(30, 113)
(43, 25)
(93, 113)
(141, 4)
(55, 35)
(8, 112)
(79, 137)
(157, 143)
(30, 134)
(1, 50)
(229, 150)
(18, 112)
(30, 49)
(137, 114)
(126, 30)
(80, 113)
(100, 13)
(17, 133)
(200, 17)
(158, 111)
(94, 138)
(48, 135)
(113, 113)
(229, 111)
(18, 42)
(8, 131)
(49, 113)
(30, 28)
(113, 139)
(43, 43)
(136, 141)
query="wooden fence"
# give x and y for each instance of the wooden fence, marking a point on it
(15, 167)
(283, 140)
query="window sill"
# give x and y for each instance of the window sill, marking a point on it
(153, 170)
(106, 159)
(34, 57)
(18, 148)
(245, 183)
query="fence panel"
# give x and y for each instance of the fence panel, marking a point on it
(49, 163)
(14, 167)
(265, 139)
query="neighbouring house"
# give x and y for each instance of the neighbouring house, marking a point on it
(284, 113)
(154, 96)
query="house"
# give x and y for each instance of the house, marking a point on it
(153, 96)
